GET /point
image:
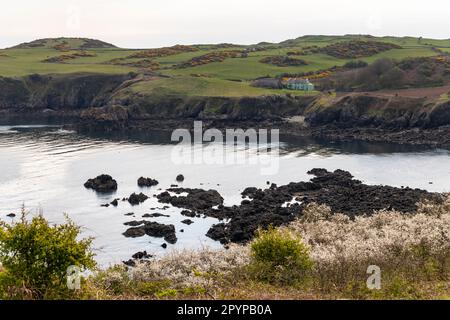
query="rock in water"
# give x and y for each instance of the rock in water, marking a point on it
(136, 199)
(102, 183)
(141, 255)
(130, 263)
(180, 178)
(153, 229)
(154, 215)
(134, 223)
(135, 232)
(188, 213)
(196, 199)
(147, 182)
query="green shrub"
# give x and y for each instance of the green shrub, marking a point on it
(166, 294)
(35, 255)
(279, 256)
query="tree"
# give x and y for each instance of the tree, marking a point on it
(392, 78)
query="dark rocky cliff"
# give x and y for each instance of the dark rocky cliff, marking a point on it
(388, 113)
(40, 98)
(105, 101)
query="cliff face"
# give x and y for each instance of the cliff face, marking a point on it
(215, 108)
(56, 92)
(387, 113)
(106, 101)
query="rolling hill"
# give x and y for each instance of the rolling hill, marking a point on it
(211, 69)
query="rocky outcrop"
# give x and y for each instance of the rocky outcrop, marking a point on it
(152, 229)
(136, 199)
(103, 183)
(196, 199)
(147, 182)
(352, 110)
(394, 113)
(439, 115)
(59, 91)
(337, 189)
(58, 97)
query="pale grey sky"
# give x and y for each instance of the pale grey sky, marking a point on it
(155, 23)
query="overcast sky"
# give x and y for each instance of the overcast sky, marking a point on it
(155, 23)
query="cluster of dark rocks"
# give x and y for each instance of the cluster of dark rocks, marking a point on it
(152, 229)
(196, 199)
(136, 199)
(337, 189)
(274, 206)
(147, 182)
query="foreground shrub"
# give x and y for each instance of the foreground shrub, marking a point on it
(279, 256)
(35, 255)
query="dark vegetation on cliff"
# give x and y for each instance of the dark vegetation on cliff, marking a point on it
(392, 74)
(284, 61)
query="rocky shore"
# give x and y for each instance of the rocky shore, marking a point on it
(273, 206)
(429, 137)
(280, 205)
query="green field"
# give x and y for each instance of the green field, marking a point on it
(230, 77)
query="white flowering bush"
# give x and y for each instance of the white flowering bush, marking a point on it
(191, 268)
(417, 245)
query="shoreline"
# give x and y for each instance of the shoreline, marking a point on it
(427, 137)
(433, 137)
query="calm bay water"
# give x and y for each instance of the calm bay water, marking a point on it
(44, 169)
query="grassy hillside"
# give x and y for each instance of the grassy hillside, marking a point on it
(202, 86)
(200, 69)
